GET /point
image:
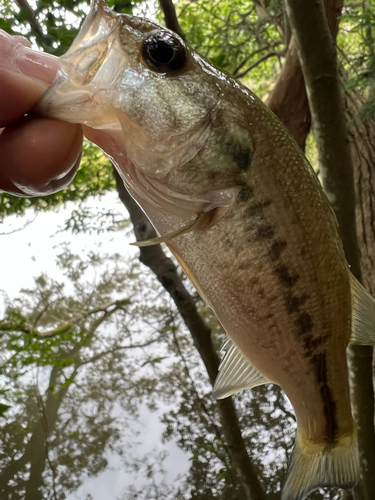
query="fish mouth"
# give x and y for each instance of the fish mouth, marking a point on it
(88, 71)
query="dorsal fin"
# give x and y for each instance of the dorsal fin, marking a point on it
(363, 315)
(236, 373)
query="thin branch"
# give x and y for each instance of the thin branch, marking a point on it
(247, 58)
(201, 402)
(40, 314)
(273, 53)
(27, 223)
(44, 423)
(108, 309)
(170, 17)
(117, 349)
(215, 16)
(35, 26)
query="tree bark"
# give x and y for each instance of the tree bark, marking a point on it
(318, 62)
(288, 99)
(362, 142)
(167, 274)
(36, 449)
(170, 17)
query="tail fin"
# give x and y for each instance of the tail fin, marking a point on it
(314, 465)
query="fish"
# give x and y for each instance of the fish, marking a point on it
(236, 201)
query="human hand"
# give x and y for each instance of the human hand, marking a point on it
(38, 156)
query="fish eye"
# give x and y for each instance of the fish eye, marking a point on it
(164, 52)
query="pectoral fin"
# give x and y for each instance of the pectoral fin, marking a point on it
(236, 373)
(203, 221)
(168, 236)
(363, 315)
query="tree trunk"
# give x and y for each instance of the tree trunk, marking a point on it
(36, 449)
(362, 143)
(288, 99)
(316, 52)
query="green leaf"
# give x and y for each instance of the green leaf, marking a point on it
(153, 361)
(3, 409)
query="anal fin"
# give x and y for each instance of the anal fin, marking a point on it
(363, 315)
(236, 373)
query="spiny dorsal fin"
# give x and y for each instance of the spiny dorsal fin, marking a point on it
(363, 315)
(236, 373)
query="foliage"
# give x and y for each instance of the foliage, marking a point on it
(60, 392)
(70, 383)
(237, 36)
(357, 53)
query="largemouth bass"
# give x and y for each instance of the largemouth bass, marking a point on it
(238, 204)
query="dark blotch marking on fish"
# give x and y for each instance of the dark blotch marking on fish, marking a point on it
(245, 195)
(256, 208)
(259, 233)
(245, 266)
(329, 405)
(304, 323)
(311, 344)
(227, 243)
(276, 249)
(285, 277)
(265, 232)
(242, 157)
(293, 303)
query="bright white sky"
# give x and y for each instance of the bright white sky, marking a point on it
(29, 252)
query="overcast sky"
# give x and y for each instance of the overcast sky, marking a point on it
(27, 253)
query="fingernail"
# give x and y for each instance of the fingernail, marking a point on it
(35, 64)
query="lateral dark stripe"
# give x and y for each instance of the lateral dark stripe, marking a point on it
(276, 249)
(286, 278)
(256, 208)
(329, 405)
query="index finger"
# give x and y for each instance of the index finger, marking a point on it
(25, 75)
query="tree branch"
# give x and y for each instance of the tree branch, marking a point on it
(170, 17)
(272, 53)
(109, 308)
(288, 98)
(34, 24)
(247, 58)
(117, 349)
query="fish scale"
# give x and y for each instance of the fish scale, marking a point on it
(236, 201)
